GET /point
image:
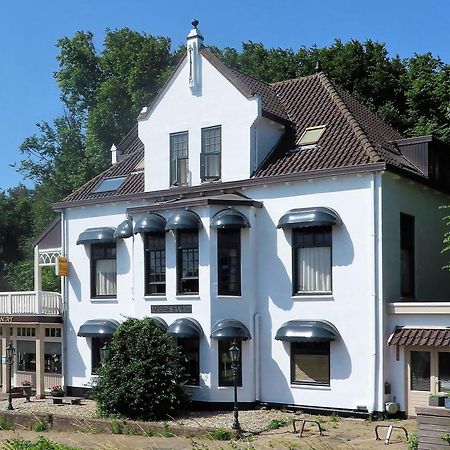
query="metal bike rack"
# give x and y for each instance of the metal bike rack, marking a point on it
(303, 422)
(390, 428)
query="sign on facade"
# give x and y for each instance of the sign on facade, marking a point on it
(62, 266)
(161, 309)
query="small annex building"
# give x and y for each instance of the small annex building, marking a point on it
(285, 216)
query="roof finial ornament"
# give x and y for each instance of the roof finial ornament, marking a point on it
(318, 67)
(195, 23)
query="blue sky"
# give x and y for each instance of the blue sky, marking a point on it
(29, 30)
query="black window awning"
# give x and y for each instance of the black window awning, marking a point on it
(307, 331)
(124, 229)
(150, 223)
(161, 323)
(230, 329)
(95, 235)
(309, 217)
(229, 219)
(98, 328)
(185, 328)
(184, 220)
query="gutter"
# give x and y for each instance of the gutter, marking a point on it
(222, 186)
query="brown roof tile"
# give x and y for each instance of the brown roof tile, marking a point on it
(430, 337)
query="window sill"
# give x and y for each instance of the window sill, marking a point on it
(104, 300)
(230, 297)
(187, 297)
(312, 387)
(158, 298)
(313, 296)
(241, 388)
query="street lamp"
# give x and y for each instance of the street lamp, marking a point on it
(10, 352)
(235, 354)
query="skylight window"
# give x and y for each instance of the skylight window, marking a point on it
(311, 135)
(109, 185)
(139, 166)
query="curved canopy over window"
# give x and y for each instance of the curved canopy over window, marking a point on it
(98, 328)
(229, 219)
(161, 323)
(309, 217)
(230, 329)
(185, 328)
(150, 223)
(184, 220)
(124, 230)
(307, 331)
(96, 235)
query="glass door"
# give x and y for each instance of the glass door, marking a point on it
(420, 385)
(443, 372)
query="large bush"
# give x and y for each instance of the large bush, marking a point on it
(144, 375)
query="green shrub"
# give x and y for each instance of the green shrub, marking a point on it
(41, 444)
(221, 435)
(144, 376)
(39, 426)
(446, 437)
(116, 427)
(413, 442)
(4, 425)
(274, 424)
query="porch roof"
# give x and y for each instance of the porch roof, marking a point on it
(430, 337)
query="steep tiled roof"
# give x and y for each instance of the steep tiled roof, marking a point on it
(354, 136)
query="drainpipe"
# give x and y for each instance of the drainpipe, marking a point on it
(256, 356)
(64, 301)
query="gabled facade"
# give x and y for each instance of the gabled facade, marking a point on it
(286, 217)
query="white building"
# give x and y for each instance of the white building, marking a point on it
(286, 216)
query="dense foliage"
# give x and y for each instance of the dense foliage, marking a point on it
(144, 375)
(103, 90)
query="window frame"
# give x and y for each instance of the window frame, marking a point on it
(223, 348)
(204, 154)
(147, 263)
(221, 246)
(174, 159)
(408, 243)
(180, 267)
(292, 363)
(295, 259)
(194, 379)
(94, 259)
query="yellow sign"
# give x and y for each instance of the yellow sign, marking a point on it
(62, 266)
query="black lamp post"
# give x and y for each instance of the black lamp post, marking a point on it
(104, 354)
(235, 354)
(10, 352)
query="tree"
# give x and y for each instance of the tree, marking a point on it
(144, 375)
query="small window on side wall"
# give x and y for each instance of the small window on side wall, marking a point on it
(310, 363)
(179, 157)
(155, 264)
(312, 260)
(226, 377)
(103, 270)
(210, 157)
(229, 262)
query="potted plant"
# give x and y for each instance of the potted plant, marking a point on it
(26, 389)
(57, 391)
(437, 400)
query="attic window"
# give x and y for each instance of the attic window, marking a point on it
(109, 185)
(311, 135)
(139, 166)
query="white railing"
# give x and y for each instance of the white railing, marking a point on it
(30, 302)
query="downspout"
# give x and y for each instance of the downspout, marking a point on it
(256, 356)
(64, 302)
(132, 262)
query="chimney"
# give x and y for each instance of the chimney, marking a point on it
(194, 43)
(113, 154)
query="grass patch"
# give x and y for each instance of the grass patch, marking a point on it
(274, 424)
(39, 427)
(221, 435)
(5, 425)
(41, 444)
(116, 427)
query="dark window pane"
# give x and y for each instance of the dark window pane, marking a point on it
(229, 262)
(155, 264)
(310, 363)
(407, 250)
(190, 349)
(179, 151)
(420, 371)
(103, 270)
(53, 357)
(226, 377)
(26, 355)
(312, 259)
(187, 262)
(97, 344)
(211, 153)
(444, 371)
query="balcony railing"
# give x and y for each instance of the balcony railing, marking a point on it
(30, 302)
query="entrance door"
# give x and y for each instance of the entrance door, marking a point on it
(428, 373)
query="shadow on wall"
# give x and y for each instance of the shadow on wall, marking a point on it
(123, 258)
(74, 281)
(77, 368)
(343, 254)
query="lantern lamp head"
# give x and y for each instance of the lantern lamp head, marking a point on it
(235, 353)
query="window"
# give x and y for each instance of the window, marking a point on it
(21, 331)
(53, 332)
(155, 264)
(211, 153)
(26, 356)
(311, 135)
(97, 344)
(420, 371)
(52, 357)
(310, 363)
(229, 262)
(187, 262)
(103, 270)
(190, 349)
(109, 185)
(226, 377)
(179, 149)
(312, 260)
(407, 250)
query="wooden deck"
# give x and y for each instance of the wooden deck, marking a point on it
(432, 423)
